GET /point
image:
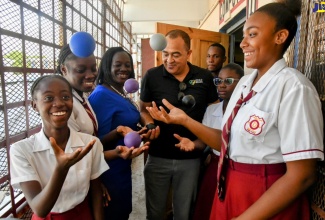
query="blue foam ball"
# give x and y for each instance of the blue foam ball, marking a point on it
(82, 44)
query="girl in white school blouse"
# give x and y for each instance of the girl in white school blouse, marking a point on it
(276, 137)
(57, 167)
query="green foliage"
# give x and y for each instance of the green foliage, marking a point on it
(17, 58)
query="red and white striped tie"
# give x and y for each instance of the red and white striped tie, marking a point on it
(91, 116)
(221, 175)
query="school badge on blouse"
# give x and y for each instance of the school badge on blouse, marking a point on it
(254, 125)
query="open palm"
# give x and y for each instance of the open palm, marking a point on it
(66, 160)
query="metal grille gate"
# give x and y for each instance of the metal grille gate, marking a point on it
(307, 54)
(31, 35)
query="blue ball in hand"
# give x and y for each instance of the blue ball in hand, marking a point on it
(82, 44)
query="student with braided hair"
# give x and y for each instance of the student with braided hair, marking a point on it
(272, 134)
(81, 73)
(58, 169)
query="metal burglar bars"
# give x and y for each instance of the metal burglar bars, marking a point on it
(307, 54)
(31, 35)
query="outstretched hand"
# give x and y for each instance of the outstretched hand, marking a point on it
(137, 151)
(148, 135)
(184, 144)
(66, 160)
(175, 115)
(124, 152)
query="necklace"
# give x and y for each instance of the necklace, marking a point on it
(124, 96)
(121, 94)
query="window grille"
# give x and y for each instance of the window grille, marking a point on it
(307, 55)
(31, 35)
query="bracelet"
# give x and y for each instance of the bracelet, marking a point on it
(151, 126)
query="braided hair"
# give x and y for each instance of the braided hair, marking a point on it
(35, 86)
(104, 70)
(65, 55)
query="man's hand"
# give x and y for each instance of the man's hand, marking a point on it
(148, 135)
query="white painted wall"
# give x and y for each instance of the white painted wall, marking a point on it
(145, 13)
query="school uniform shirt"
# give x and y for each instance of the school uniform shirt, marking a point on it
(282, 122)
(79, 119)
(33, 159)
(213, 118)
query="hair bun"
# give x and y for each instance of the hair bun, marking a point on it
(293, 5)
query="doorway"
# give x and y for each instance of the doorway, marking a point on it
(237, 36)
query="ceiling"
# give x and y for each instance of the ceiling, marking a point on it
(143, 14)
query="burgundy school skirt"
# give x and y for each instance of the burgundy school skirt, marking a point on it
(207, 190)
(80, 212)
(245, 183)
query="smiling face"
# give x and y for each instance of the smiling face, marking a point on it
(81, 73)
(121, 68)
(215, 59)
(175, 56)
(53, 101)
(261, 45)
(225, 91)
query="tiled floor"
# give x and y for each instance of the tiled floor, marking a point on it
(138, 192)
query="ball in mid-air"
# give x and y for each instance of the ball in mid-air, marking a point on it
(131, 85)
(158, 42)
(82, 44)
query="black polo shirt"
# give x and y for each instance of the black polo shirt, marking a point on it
(158, 84)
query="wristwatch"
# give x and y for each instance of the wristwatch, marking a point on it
(151, 126)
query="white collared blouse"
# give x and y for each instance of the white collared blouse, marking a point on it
(282, 122)
(33, 159)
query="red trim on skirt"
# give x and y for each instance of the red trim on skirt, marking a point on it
(246, 183)
(80, 212)
(207, 190)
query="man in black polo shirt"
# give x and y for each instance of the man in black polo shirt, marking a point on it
(191, 89)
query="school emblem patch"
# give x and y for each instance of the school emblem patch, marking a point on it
(254, 125)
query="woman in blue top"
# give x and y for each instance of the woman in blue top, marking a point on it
(116, 115)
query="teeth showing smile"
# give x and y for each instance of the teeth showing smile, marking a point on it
(89, 83)
(58, 113)
(123, 75)
(248, 54)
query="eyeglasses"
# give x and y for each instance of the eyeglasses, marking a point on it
(187, 100)
(227, 81)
